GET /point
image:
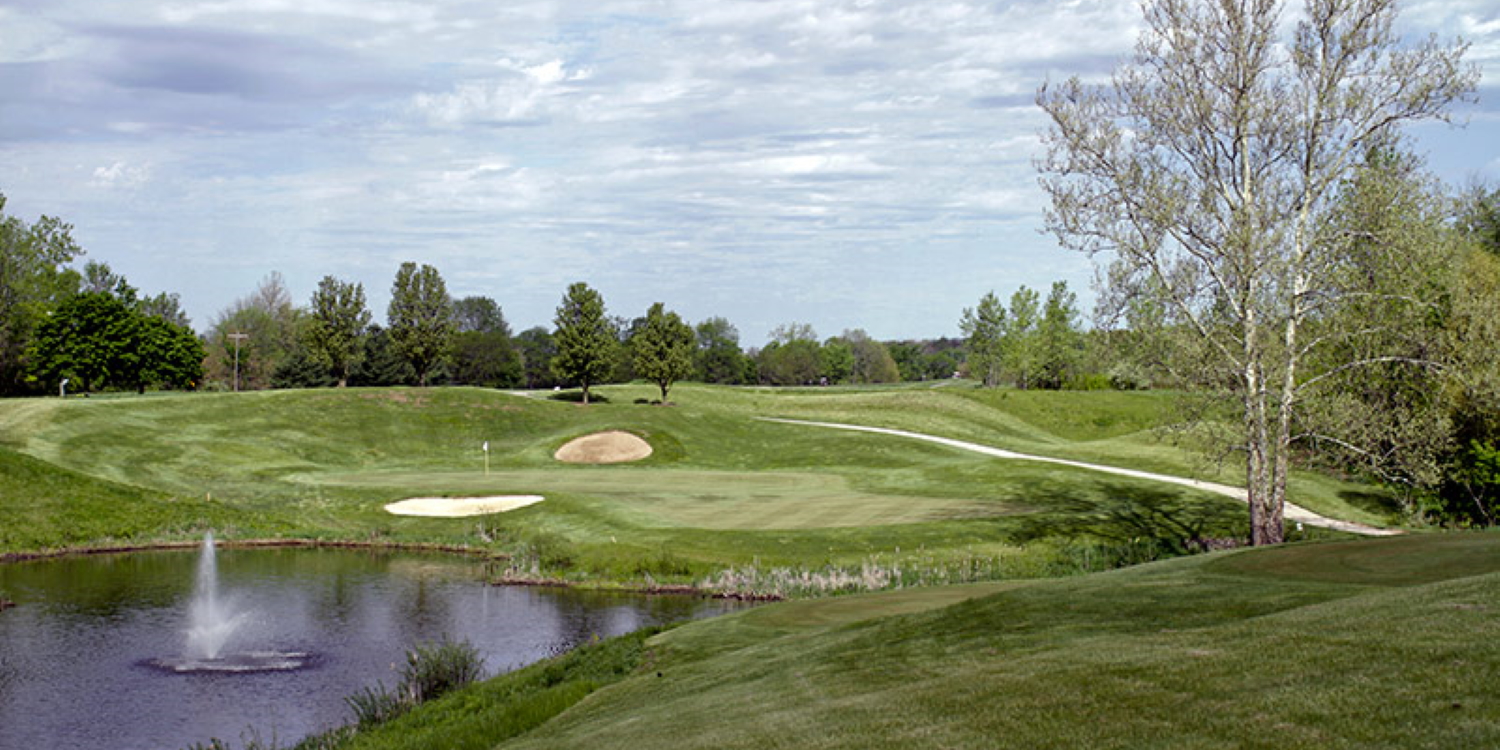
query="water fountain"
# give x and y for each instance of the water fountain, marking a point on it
(212, 625)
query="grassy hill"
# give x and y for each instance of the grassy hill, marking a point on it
(1363, 644)
(726, 496)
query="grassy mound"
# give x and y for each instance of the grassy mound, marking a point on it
(1379, 643)
(724, 496)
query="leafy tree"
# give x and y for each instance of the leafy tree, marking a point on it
(1020, 346)
(483, 352)
(99, 277)
(585, 338)
(626, 330)
(334, 326)
(985, 327)
(166, 306)
(1205, 168)
(270, 326)
(381, 365)
(537, 348)
(167, 354)
(420, 318)
(719, 359)
(836, 361)
(1479, 218)
(664, 348)
(479, 315)
(1387, 418)
(792, 357)
(1059, 342)
(872, 360)
(95, 340)
(34, 278)
(84, 341)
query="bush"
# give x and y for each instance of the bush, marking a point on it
(376, 705)
(434, 669)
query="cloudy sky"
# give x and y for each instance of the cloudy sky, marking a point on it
(844, 163)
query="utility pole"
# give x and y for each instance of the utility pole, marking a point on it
(237, 338)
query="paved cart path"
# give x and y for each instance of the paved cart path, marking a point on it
(1292, 512)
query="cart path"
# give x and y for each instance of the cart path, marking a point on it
(1291, 512)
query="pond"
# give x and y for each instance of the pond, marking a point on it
(85, 655)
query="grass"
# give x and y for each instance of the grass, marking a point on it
(1356, 644)
(1343, 644)
(1384, 643)
(722, 491)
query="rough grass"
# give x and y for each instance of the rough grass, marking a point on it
(721, 490)
(1381, 643)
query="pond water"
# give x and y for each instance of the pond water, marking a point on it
(81, 654)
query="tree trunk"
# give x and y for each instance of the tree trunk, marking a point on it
(664, 386)
(585, 393)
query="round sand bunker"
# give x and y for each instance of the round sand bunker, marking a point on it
(458, 507)
(613, 447)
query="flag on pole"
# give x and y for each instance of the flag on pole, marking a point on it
(486, 446)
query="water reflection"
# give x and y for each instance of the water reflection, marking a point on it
(72, 653)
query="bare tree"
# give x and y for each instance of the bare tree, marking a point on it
(1204, 168)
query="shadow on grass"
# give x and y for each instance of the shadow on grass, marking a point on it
(1127, 514)
(1379, 503)
(576, 397)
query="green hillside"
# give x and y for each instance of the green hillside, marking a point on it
(1364, 644)
(726, 497)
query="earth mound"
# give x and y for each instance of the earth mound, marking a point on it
(613, 447)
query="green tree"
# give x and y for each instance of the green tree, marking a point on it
(381, 365)
(836, 361)
(95, 340)
(872, 359)
(1059, 341)
(484, 353)
(420, 318)
(336, 322)
(664, 348)
(585, 338)
(84, 341)
(1020, 345)
(1205, 168)
(792, 357)
(1479, 218)
(537, 347)
(984, 327)
(34, 279)
(270, 325)
(719, 359)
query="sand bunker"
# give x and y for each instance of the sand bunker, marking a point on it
(613, 447)
(458, 507)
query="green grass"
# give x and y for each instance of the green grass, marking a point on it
(722, 490)
(1392, 643)
(1360, 644)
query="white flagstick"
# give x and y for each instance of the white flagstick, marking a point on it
(486, 458)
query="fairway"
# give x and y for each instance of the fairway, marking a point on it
(723, 493)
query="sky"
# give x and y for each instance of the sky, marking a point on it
(842, 163)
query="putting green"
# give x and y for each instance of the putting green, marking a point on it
(699, 499)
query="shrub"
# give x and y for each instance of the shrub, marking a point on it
(434, 669)
(375, 705)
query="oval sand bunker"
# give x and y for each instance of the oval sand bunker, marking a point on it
(458, 507)
(613, 447)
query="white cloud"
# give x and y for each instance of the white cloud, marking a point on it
(753, 147)
(121, 175)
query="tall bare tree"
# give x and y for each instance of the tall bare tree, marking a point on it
(1203, 170)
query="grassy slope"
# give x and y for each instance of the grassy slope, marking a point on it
(722, 488)
(1387, 643)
